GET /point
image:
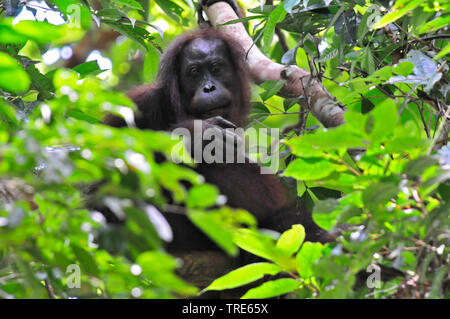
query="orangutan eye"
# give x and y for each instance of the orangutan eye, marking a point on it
(194, 71)
(215, 67)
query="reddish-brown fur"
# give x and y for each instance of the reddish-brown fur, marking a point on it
(162, 107)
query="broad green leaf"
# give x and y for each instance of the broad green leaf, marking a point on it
(309, 169)
(7, 115)
(258, 112)
(367, 61)
(438, 279)
(90, 67)
(291, 240)
(271, 87)
(385, 119)
(40, 82)
(414, 168)
(443, 52)
(244, 275)
(404, 68)
(326, 206)
(306, 257)
(275, 17)
(436, 24)
(135, 33)
(334, 138)
(347, 212)
(400, 8)
(409, 258)
(272, 289)
(129, 3)
(173, 10)
(379, 193)
(10, 36)
(12, 76)
(80, 15)
(301, 188)
(113, 14)
(158, 267)
(302, 149)
(154, 261)
(254, 242)
(213, 225)
(245, 19)
(202, 196)
(404, 143)
(82, 116)
(41, 32)
(87, 262)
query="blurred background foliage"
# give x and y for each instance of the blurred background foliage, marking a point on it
(65, 64)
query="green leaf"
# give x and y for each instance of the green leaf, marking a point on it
(244, 275)
(212, 224)
(415, 168)
(243, 20)
(438, 279)
(255, 243)
(129, 3)
(379, 193)
(403, 143)
(135, 33)
(326, 206)
(443, 52)
(404, 68)
(409, 258)
(291, 240)
(271, 88)
(400, 8)
(203, 195)
(368, 62)
(173, 10)
(90, 67)
(272, 289)
(306, 257)
(302, 149)
(77, 10)
(342, 137)
(82, 116)
(41, 32)
(86, 260)
(385, 120)
(40, 82)
(12, 76)
(275, 17)
(152, 262)
(113, 14)
(309, 169)
(301, 188)
(436, 24)
(258, 112)
(158, 267)
(7, 115)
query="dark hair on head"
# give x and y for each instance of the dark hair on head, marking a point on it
(169, 68)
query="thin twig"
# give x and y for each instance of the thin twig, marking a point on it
(282, 39)
(349, 167)
(439, 130)
(49, 288)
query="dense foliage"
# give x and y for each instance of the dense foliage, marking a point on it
(382, 178)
